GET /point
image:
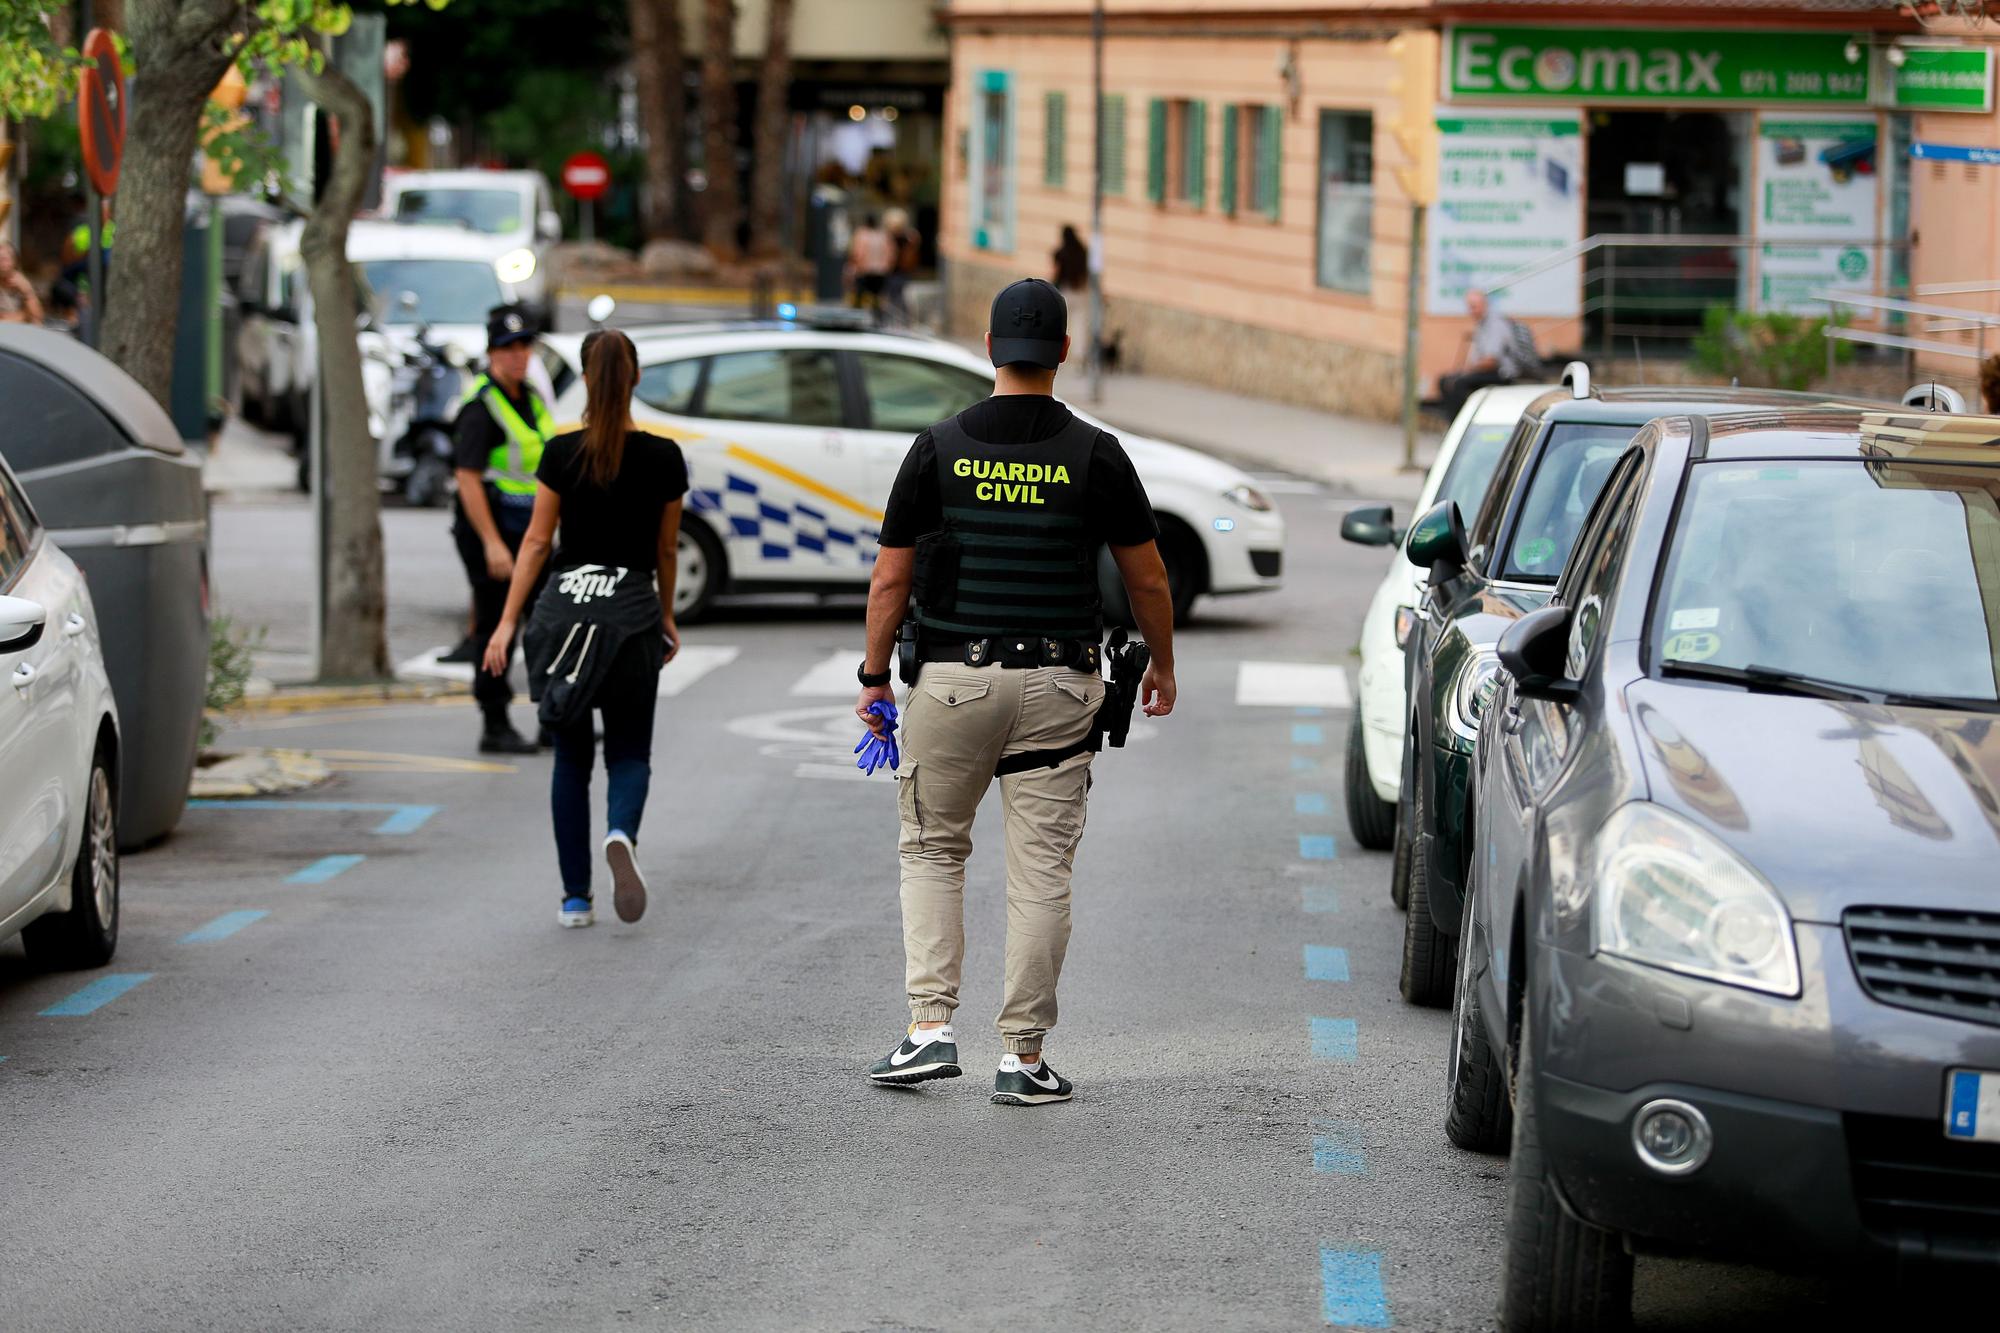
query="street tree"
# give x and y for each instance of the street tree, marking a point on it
(659, 68)
(774, 85)
(722, 205)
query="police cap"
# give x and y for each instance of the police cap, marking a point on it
(507, 325)
(1028, 324)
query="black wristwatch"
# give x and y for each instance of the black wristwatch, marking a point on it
(873, 680)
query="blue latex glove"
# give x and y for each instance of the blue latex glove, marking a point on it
(879, 747)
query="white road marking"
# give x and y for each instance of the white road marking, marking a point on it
(1278, 485)
(1292, 685)
(831, 677)
(694, 661)
(425, 666)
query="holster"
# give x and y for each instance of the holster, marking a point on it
(1114, 712)
(908, 664)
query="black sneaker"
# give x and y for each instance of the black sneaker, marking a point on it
(921, 1057)
(468, 652)
(503, 739)
(1015, 1086)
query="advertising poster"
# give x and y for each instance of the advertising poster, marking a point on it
(1509, 188)
(1817, 181)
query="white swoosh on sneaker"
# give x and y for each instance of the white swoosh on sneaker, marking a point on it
(897, 1059)
(1036, 1079)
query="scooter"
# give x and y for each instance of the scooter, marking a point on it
(417, 443)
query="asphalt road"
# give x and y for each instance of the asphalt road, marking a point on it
(347, 1073)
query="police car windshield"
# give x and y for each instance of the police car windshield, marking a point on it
(1573, 468)
(1874, 575)
(449, 291)
(1472, 464)
(489, 212)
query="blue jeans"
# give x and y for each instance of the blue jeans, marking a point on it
(626, 703)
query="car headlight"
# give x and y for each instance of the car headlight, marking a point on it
(1669, 895)
(1473, 690)
(515, 265)
(1249, 497)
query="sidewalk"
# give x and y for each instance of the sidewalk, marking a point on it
(1349, 455)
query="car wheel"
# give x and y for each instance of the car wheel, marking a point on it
(702, 571)
(1427, 951)
(1372, 819)
(1477, 1116)
(87, 934)
(428, 483)
(1561, 1273)
(1399, 869)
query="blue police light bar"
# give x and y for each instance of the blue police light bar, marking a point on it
(787, 311)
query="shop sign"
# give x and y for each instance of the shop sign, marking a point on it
(1943, 79)
(1817, 182)
(1954, 152)
(1507, 196)
(1656, 65)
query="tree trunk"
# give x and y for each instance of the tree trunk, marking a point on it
(177, 60)
(767, 183)
(659, 70)
(722, 206)
(355, 643)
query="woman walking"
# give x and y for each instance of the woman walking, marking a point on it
(608, 499)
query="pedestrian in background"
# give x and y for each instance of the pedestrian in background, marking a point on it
(498, 442)
(871, 257)
(1072, 279)
(1502, 352)
(608, 498)
(18, 302)
(907, 248)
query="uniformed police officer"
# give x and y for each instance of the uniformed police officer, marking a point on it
(995, 523)
(498, 445)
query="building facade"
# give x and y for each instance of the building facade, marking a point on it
(1263, 160)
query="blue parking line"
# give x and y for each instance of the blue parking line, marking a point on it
(1304, 763)
(1351, 1288)
(96, 995)
(1335, 1039)
(402, 818)
(1309, 712)
(1337, 1149)
(1308, 733)
(1309, 803)
(1316, 846)
(1325, 964)
(1319, 898)
(324, 869)
(222, 927)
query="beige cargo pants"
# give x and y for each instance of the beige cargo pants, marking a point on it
(959, 722)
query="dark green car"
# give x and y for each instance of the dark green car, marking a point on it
(1483, 579)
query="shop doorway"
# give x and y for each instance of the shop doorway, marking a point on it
(1663, 173)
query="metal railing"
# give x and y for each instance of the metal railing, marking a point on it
(1929, 321)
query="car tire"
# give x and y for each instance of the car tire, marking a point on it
(703, 571)
(87, 934)
(1561, 1273)
(1477, 1115)
(1371, 819)
(1427, 951)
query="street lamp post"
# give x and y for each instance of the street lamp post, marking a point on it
(1092, 359)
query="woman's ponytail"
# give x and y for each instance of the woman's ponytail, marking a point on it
(610, 372)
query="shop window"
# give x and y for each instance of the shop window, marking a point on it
(1054, 147)
(1346, 199)
(1177, 151)
(1252, 142)
(1114, 143)
(992, 193)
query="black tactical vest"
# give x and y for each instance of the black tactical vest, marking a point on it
(1014, 556)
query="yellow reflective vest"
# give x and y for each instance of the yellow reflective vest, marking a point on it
(511, 466)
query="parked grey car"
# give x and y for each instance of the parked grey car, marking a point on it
(121, 494)
(1732, 972)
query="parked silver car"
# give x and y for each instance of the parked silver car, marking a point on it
(1732, 974)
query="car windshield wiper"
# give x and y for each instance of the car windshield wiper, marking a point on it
(1948, 701)
(1772, 680)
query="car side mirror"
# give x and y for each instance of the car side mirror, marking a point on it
(1369, 527)
(549, 225)
(21, 624)
(1437, 541)
(601, 307)
(1534, 649)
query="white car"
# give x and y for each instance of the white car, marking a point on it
(1462, 471)
(509, 215)
(794, 434)
(58, 751)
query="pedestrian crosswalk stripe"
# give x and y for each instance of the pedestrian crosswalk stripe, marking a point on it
(694, 661)
(1292, 685)
(832, 676)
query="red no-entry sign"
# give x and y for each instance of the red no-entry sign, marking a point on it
(100, 108)
(586, 176)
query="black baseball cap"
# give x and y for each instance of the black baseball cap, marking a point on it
(1028, 324)
(507, 325)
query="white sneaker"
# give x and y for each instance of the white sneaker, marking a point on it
(576, 912)
(628, 886)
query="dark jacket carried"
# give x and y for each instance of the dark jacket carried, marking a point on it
(589, 621)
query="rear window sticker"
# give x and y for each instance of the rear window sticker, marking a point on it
(1537, 551)
(1693, 646)
(1696, 617)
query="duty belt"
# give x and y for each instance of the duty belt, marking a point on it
(1018, 653)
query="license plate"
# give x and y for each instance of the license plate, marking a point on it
(1972, 1105)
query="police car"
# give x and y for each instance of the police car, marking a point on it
(794, 432)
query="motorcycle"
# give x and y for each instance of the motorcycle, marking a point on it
(416, 441)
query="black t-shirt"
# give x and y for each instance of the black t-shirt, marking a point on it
(1117, 512)
(619, 524)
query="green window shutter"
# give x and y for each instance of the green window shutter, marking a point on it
(1114, 144)
(1226, 189)
(1197, 153)
(1271, 149)
(1156, 150)
(1054, 140)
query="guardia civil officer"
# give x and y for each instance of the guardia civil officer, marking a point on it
(995, 523)
(498, 442)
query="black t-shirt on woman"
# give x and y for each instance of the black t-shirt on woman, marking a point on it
(619, 524)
